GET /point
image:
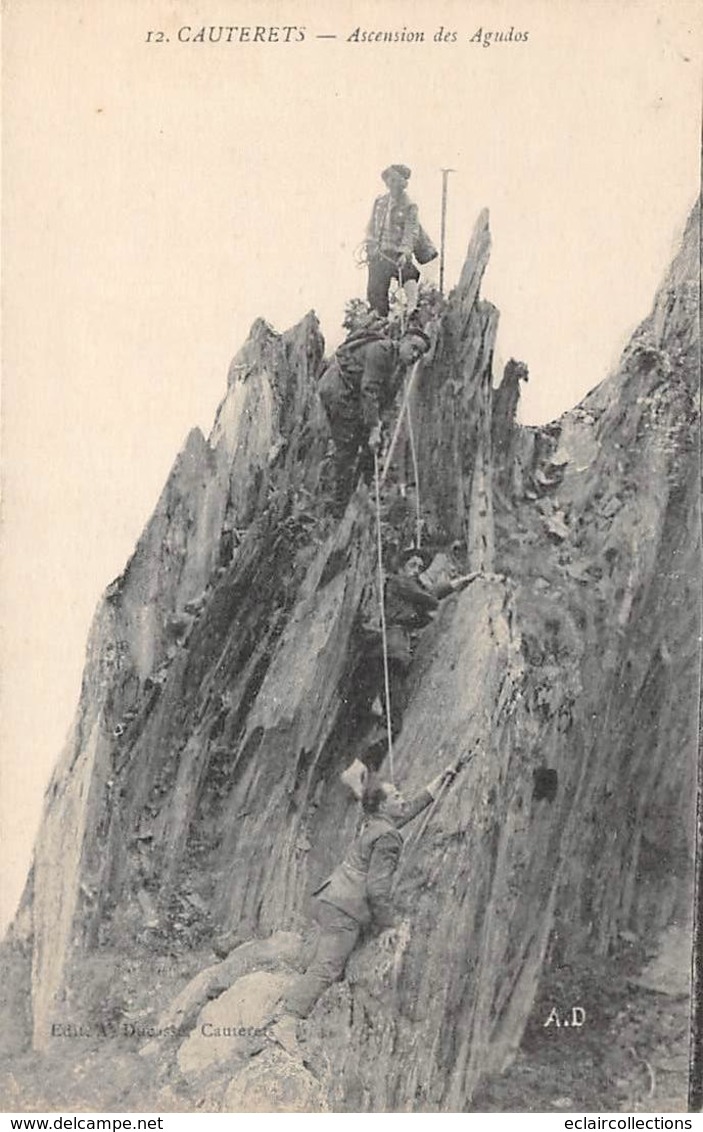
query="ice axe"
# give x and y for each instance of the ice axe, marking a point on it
(445, 177)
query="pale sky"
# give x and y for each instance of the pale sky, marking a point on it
(157, 198)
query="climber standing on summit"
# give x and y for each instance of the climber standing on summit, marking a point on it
(361, 382)
(393, 236)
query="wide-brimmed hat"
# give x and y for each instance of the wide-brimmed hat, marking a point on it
(409, 552)
(402, 170)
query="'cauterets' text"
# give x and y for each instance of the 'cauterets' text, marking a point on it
(288, 33)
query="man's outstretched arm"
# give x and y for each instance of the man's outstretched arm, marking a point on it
(378, 367)
(420, 802)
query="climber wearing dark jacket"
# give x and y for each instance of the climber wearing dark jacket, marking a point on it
(360, 382)
(411, 600)
(358, 893)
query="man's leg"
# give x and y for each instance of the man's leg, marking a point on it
(381, 271)
(345, 429)
(411, 277)
(338, 937)
(366, 461)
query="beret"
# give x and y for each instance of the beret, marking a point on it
(401, 169)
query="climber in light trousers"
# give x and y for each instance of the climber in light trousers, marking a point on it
(357, 896)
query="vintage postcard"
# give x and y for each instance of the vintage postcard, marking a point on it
(351, 556)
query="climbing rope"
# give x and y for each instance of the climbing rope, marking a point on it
(411, 844)
(406, 408)
(378, 482)
(394, 438)
(382, 604)
(361, 254)
(402, 304)
(416, 476)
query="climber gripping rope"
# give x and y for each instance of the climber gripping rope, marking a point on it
(356, 898)
(415, 586)
(358, 386)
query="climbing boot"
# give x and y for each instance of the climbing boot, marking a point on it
(411, 293)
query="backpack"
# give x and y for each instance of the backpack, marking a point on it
(358, 339)
(424, 250)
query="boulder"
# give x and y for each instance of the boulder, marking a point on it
(232, 1028)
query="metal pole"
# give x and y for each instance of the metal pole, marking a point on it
(445, 177)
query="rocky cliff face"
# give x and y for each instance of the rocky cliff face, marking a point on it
(199, 790)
